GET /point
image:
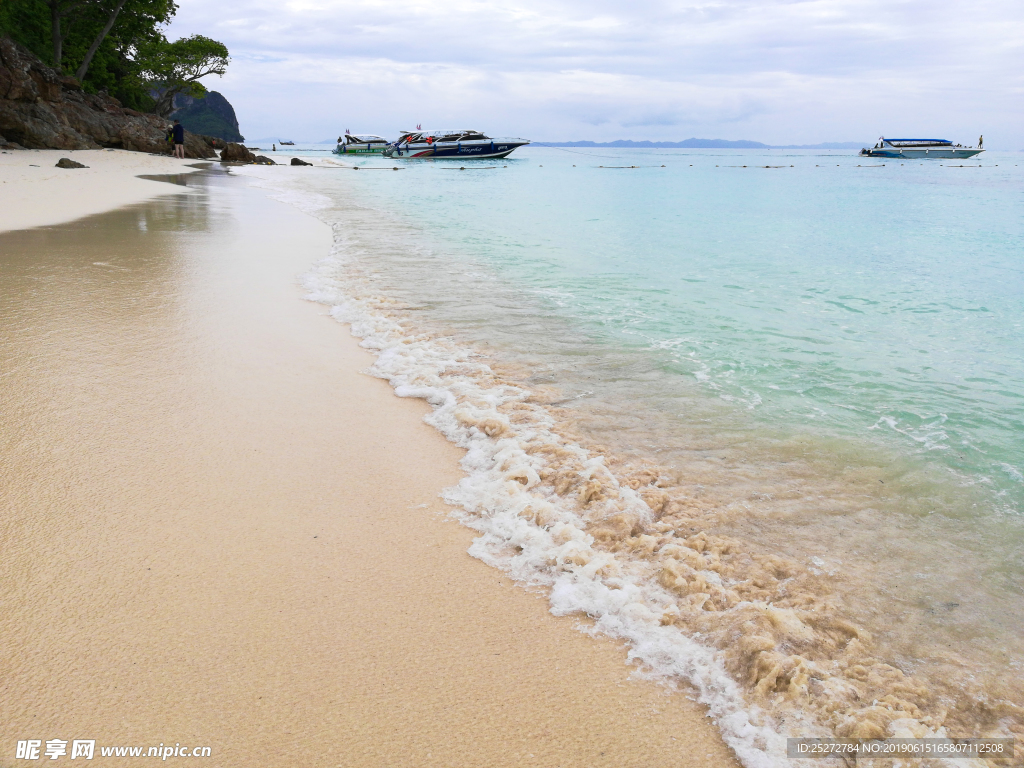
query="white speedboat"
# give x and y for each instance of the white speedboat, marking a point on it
(915, 149)
(452, 145)
(361, 144)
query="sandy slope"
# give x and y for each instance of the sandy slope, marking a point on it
(218, 532)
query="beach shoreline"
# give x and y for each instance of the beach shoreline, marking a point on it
(223, 533)
(456, 317)
(35, 193)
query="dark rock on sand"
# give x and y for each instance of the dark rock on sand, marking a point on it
(41, 108)
(297, 161)
(264, 160)
(66, 162)
(236, 153)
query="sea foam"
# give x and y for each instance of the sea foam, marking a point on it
(526, 528)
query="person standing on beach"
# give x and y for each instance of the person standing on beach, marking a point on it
(178, 132)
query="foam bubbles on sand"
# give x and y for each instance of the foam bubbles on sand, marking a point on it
(538, 501)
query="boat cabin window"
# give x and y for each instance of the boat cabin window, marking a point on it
(919, 142)
(460, 136)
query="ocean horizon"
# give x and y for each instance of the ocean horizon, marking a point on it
(692, 143)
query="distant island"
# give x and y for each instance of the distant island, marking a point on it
(700, 144)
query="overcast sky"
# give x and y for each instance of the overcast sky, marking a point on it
(775, 71)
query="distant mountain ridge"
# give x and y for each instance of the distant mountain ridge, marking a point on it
(698, 144)
(688, 144)
(826, 145)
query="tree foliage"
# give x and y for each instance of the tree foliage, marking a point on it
(173, 68)
(116, 46)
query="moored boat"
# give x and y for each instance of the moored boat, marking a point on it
(360, 144)
(452, 145)
(930, 149)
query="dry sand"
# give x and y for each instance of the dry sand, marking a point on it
(34, 193)
(217, 531)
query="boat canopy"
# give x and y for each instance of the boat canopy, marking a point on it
(364, 138)
(443, 136)
(918, 142)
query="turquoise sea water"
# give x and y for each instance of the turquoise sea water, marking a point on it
(886, 299)
(826, 351)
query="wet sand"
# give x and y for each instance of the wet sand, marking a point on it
(35, 193)
(218, 532)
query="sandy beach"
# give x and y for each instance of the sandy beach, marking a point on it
(218, 531)
(36, 193)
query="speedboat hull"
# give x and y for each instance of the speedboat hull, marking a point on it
(921, 149)
(360, 144)
(486, 149)
(360, 149)
(925, 154)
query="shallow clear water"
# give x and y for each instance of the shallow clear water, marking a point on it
(863, 299)
(824, 352)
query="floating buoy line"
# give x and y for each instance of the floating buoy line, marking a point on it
(585, 154)
(331, 164)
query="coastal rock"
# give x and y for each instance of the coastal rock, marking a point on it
(209, 115)
(236, 153)
(41, 108)
(263, 160)
(67, 162)
(297, 161)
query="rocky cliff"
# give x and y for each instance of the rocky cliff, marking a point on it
(210, 115)
(40, 108)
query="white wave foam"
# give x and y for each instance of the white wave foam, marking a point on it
(502, 491)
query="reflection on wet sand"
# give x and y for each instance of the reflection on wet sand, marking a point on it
(216, 531)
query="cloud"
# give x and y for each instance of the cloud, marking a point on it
(777, 71)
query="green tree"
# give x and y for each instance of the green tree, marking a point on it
(117, 46)
(173, 68)
(92, 21)
(114, 67)
(59, 11)
(98, 39)
(28, 22)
